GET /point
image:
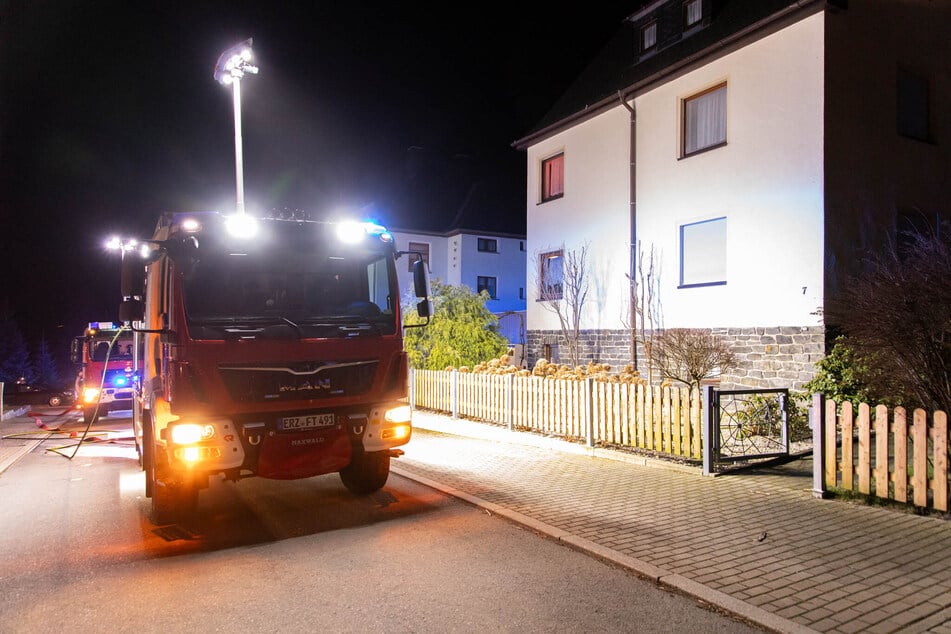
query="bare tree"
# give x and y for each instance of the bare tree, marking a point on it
(690, 355)
(562, 281)
(644, 316)
(896, 319)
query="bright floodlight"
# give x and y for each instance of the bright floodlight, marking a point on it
(234, 63)
(116, 243)
(350, 232)
(231, 67)
(241, 226)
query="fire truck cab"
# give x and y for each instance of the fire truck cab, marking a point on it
(271, 348)
(105, 355)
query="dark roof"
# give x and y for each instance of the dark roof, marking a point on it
(617, 68)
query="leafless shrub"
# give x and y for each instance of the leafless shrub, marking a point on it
(645, 316)
(690, 355)
(566, 298)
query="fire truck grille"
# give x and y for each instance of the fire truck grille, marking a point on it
(297, 381)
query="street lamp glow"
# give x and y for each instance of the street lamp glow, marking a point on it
(230, 68)
(115, 243)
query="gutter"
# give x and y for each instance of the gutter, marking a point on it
(605, 103)
(623, 97)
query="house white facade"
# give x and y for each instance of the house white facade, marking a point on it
(494, 262)
(741, 166)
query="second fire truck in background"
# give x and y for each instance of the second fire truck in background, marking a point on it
(104, 381)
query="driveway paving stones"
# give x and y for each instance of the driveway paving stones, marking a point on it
(756, 543)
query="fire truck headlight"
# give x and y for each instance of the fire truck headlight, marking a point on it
(189, 433)
(90, 394)
(401, 414)
(396, 432)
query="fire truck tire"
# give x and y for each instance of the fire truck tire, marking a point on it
(55, 401)
(148, 453)
(172, 499)
(367, 471)
(89, 415)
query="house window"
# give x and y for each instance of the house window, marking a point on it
(488, 245)
(648, 36)
(912, 106)
(704, 120)
(551, 275)
(487, 284)
(691, 13)
(703, 253)
(418, 250)
(553, 177)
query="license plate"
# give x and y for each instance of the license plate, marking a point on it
(311, 421)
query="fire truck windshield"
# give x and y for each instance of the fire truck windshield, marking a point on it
(99, 349)
(281, 293)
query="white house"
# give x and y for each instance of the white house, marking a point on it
(493, 262)
(760, 148)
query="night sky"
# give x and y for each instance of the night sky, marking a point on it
(109, 116)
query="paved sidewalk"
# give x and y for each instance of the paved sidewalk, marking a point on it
(758, 544)
(16, 438)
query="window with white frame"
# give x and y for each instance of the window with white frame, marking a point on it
(703, 253)
(487, 284)
(551, 275)
(553, 177)
(704, 120)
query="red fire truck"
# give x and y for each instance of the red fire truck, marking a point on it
(104, 381)
(271, 348)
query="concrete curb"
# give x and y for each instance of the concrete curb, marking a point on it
(8, 457)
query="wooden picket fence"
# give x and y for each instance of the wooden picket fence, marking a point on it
(665, 420)
(881, 454)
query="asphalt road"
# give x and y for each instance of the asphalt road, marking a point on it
(77, 552)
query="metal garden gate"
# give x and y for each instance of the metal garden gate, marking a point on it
(744, 426)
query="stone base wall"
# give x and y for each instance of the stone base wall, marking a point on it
(779, 357)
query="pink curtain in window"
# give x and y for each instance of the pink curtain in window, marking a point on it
(555, 176)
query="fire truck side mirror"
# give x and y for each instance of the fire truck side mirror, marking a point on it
(132, 281)
(421, 282)
(131, 310)
(76, 350)
(420, 279)
(425, 309)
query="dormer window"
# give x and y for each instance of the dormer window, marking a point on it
(648, 36)
(692, 13)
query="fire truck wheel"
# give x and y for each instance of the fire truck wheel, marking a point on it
(89, 415)
(148, 453)
(55, 401)
(367, 471)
